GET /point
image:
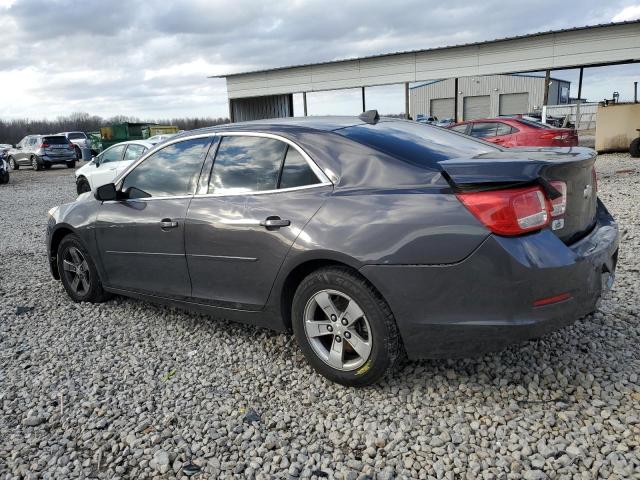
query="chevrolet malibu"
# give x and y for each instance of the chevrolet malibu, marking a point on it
(367, 237)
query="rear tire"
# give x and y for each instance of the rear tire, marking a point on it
(47, 165)
(4, 177)
(335, 349)
(634, 148)
(35, 164)
(13, 163)
(71, 164)
(82, 185)
(78, 272)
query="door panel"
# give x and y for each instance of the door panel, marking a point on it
(137, 253)
(232, 259)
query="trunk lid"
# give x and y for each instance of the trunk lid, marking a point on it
(518, 167)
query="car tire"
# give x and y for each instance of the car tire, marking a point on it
(4, 177)
(78, 152)
(634, 148)
(14, 165)
(78, 272)
(71, 164)
(370, 331)
(47, 165)
(35, 164)
(82, 185)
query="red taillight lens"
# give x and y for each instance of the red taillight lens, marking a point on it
(559, 205)
(509, 212)
(44, 145)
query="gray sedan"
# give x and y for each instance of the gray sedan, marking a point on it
(366, 237)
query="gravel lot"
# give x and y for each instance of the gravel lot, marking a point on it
(132, 390)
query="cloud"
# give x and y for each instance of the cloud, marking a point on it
(631, 12)
(152, 58)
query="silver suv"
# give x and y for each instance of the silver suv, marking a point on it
(81, 142)
(42, 151)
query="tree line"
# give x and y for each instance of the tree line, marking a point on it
(12, 131)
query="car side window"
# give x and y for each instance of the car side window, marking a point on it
(483, 129)
(504, 129)
(133, 152)
(296, 171)
(171, 171)
(460, 128)
(113, 154)
(246, 164)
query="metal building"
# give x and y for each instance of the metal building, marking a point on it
(485, 96)
(259, 93)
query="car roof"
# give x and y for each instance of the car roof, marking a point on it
(134, 142)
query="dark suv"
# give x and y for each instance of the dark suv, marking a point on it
(42, 151)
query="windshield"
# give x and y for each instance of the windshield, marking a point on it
(76, 135)
(416, 143)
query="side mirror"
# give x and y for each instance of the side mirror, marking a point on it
(107, 192)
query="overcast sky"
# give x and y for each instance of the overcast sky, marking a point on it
(151, 59)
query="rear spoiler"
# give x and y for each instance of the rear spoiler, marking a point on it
(514, 167)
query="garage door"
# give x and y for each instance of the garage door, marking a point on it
(442, 108)
(476, 107)
(514, 103)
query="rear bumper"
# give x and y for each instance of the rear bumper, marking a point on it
(61, 159)
(486, 302)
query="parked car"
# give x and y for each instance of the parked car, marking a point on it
(107, 165)
(82, 144)
(4, 165)
(445, 122)
(550, 120)
(42, 151)
(517, 132)
(365, 236)
(427, 120)
(160, 138)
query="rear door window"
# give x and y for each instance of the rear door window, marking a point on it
(296, 171)
(460, 128)
(504, 129)
(245, 164)
(484, 129)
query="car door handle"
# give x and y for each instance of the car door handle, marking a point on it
(167, 223)
(274, 222)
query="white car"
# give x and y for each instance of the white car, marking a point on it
(105, 167)
(160, 138)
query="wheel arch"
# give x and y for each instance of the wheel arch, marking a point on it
(304, 268)
(56, 237)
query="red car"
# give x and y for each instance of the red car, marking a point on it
(517, 132)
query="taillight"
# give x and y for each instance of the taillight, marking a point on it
(509, 212)
(555, 136)
(559, 205)
(44, 145)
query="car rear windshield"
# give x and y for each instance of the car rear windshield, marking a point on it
(55, 140)
(415, 143)
(76, 135)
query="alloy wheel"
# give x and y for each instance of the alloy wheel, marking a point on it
(76, 269)
(13, 163)
(34, 164)
(337, 330)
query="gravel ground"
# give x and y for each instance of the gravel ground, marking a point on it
(132, 390)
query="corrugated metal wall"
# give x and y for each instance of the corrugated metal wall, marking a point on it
(493, 85)
(257, 108)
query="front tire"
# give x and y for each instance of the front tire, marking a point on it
(634, 148)
(13, 163)
(71, 164)
(78, 272)
(82, 185)
(4, 177)
(35, 164)
(47, 165)
(344, 327)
